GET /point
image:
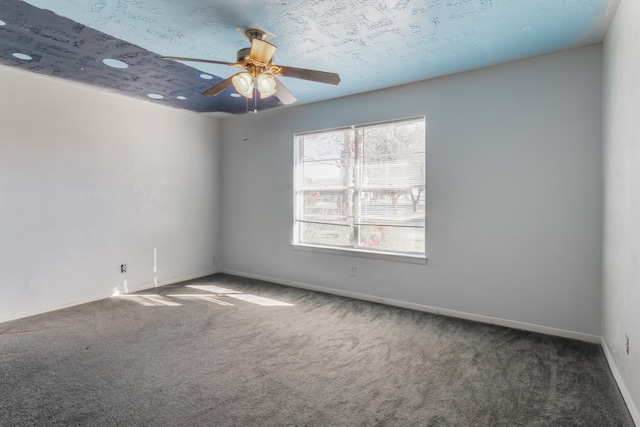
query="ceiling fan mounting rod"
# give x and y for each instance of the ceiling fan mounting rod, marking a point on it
(254, 33)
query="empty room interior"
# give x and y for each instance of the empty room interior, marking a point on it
(129, 179)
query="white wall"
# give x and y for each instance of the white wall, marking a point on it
(90, 180)
(621, 275)
(514, 195)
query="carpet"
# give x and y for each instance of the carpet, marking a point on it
(230, 351)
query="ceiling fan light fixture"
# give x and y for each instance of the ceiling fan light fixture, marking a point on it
(266, 83)
(243, 82)
(259, 70)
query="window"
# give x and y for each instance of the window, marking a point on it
(362, 188)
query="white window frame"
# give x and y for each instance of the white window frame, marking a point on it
(355, 250)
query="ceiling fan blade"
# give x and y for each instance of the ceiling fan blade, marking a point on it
(313, 75)
(208, 61)
(217, 88)
(283, 94)
(262, 51)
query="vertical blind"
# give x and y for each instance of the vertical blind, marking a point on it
(362, 187)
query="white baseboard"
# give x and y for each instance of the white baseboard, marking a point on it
(172, 281)
(633, 410)
(100, 297)
(425, 308)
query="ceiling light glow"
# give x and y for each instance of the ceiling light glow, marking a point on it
(2, 23)
(155, 96)
(206, 76)
(243, 82)
(181, 98)
(266, 83)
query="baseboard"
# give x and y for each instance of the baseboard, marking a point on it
(633, 410)
(101, 297)
(172, 281)
(425, 308)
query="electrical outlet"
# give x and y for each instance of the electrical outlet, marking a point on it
(626, 342)
(354, 270)
(123, 268)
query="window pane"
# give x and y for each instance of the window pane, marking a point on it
(396, 138)
(398, 172)
(364, 183)
(327, 145)
(391, 207)
(328, 206)
(327, 174)
(392, 239)
(325, 234)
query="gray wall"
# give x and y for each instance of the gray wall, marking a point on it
(514, 195)
(90, 180)
(621, 278)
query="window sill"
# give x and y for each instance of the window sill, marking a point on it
(387, 256)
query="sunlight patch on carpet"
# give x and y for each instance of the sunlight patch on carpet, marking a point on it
(150, 300)
(214, 289)
(201, 297)
(254, 299)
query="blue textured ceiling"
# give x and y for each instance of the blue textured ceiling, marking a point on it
(372, 44)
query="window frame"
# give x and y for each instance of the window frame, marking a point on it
(354, 250)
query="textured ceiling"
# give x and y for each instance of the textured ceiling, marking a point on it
(372, 44)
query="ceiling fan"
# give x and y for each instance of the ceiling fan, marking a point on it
(260, 72)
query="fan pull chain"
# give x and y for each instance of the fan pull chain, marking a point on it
(246, 122)
(255, 102)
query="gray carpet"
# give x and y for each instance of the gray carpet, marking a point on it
(204, 356)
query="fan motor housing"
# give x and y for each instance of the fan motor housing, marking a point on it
(243, 54)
